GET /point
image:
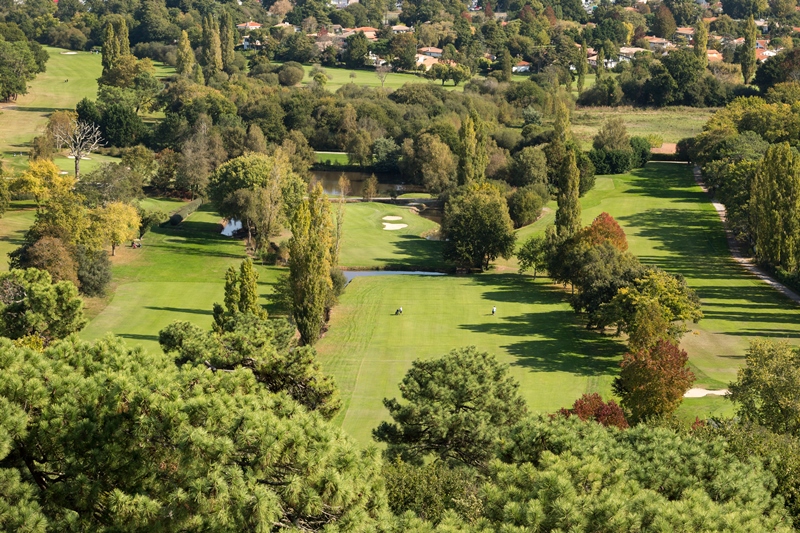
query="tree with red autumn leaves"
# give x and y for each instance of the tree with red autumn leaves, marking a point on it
(653, 380)
(605, 229)
(592, 407)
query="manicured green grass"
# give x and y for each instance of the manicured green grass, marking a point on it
(13, 226)
(367, 245)
(419, 195)
(368, 349)
(337, 158)
(339, 77)
(178, 274)
(22, 120)
(671, 123)
(670, 223)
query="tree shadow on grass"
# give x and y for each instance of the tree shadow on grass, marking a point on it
(666, 180)
(134, 336)
(419, 253)
(548, 341)
(180, 310)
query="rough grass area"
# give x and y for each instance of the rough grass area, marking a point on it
(367, 245)
(671, 123)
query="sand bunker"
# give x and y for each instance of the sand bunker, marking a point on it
(700, 393)
(69, 53)
(392, 227)
(390, 217)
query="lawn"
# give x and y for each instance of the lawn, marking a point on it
(68, 79)
(669, 222)
(338, 77)
(367, 245)
(13, 226)
(671, 123)
(178, 274)
(368, 349)
(336, 158)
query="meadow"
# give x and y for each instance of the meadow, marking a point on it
(339, 77)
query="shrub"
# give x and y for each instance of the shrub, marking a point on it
(94, 271)
(611, 161)
(50, 254)
(524, 206)
(291, 73)
(180, 215)
(641, 151)
(592, 407)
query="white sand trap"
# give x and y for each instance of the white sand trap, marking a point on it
(700, 393)
(393, 227)
(69, 53)
(391, 217)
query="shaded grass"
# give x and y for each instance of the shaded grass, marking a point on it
(367, 245)
(178, 274)
(368, 349)
(13, 226)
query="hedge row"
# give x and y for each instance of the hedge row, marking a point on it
(180, 215)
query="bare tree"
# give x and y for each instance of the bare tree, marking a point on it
(382, 71)
(81, 138)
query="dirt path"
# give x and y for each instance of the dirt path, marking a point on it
(738, 253)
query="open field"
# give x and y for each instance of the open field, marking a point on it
(13, 226)
(671, 123)
(368, 349)
(367, 245)
(336, 158)
(26, 118)
(338, 77)
(669, 223)
(178, 274)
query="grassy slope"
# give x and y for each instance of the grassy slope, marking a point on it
(671, 123)
(13, 226)
(367, 244)
(368, 349)
(338, 77)
(669, 223)
(177, 275)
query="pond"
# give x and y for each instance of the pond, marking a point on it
(351, 274)
(386, 182)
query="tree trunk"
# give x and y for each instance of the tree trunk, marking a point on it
(77, 166)
(113, 249)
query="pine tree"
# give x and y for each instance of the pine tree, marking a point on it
(185, 61)
(568, 215)
(211, 57)
(701, 42)
(111, 51)
(473, 155)
(310, 264)
(227, 37)
(231, 290)
(748, 54)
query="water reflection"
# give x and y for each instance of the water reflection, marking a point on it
(386, 182)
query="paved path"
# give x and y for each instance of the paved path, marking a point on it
(736, 248)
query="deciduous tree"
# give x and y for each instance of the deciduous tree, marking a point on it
(119, 222)
(568, 214)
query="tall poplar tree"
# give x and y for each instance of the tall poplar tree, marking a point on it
(568, 215)
(185, 60)
(248, 289)
(701, 42)
(601, 64)
(211, 57)
(747, 57)
(227, 37)
(775, 208)
(581, 67)
(473, 154)
(310, 264)
(111, 51)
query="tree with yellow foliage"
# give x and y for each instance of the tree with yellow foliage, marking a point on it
(118, 222)
(42, 180)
